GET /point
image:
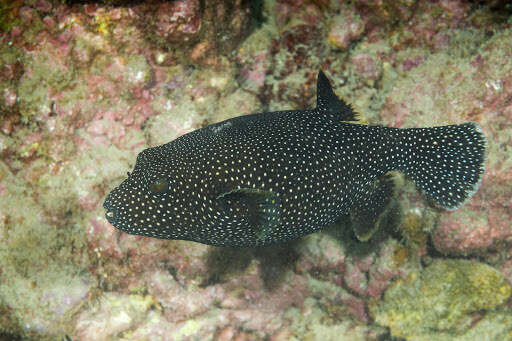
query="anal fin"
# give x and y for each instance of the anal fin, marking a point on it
(366, 215)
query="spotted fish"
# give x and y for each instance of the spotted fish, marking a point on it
(271, 177)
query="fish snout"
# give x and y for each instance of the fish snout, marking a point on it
(111, 212)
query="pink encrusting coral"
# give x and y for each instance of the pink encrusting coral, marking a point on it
(472, 89)
(345, 28)
(85, 87)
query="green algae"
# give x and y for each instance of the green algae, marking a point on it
(115, 315)
(190, 328)
(42, 259)
(441, 299)
(448, 85)
(495, 325)
(8, 19)
(44, 74)
(10, 55)
(312, 322)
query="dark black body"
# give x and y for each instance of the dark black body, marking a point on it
(271, 177)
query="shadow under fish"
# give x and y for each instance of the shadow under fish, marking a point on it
(271, 177)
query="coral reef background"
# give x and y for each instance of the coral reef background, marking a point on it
(84, 87)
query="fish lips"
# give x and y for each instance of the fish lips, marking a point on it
(111, 213)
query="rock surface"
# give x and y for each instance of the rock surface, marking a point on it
(85, 87)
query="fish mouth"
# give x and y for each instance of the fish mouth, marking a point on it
(111, 216)
(111, 212)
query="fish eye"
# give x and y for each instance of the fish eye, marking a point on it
(159, 186)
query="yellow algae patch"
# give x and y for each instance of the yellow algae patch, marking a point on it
(441, 298)
(190, 327)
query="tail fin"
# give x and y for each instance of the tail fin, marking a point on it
(445, 162)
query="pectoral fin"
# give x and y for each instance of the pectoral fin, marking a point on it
(261, 209)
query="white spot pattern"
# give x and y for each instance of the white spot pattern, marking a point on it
(317, 165)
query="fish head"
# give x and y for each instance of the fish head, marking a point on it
(146, 202)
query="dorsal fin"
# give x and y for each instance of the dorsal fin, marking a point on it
(326, 100)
